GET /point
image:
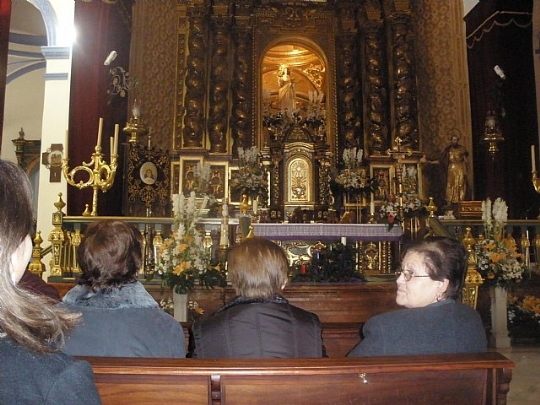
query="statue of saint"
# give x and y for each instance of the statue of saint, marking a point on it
(454, 160)
(287, 90)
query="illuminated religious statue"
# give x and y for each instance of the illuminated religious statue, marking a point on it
(287, 90)
(454, 158)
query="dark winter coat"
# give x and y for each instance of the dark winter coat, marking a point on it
(126, 322)
(258, 328)
(442, 327)
(28, 378)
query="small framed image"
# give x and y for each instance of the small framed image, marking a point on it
(148, 173)
(219, 180)
(188, 168)
(384, 175)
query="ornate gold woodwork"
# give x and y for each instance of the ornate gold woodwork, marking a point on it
(219, 62)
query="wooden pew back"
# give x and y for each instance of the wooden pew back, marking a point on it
(443, 379)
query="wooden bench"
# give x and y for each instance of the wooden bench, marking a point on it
(444, 379)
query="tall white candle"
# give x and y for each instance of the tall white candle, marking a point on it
(100, 130)
(372, 205)
(116, 129)
(533, 158)
(111, 141)
(66, 145)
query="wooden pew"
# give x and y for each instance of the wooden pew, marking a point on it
(443, 380)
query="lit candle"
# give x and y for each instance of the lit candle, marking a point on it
(533, 159)
(372, 205)
(116, 129)
(100, 129)
(66, 145)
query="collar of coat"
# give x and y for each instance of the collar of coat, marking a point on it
(276, 299)
(132, 295)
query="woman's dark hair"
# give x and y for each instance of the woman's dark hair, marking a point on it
(109, 255)
(444, 258)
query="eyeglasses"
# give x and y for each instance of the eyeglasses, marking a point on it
(408, 274)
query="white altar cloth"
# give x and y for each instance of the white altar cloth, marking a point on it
(289, 231)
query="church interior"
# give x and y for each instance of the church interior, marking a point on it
(321, 124)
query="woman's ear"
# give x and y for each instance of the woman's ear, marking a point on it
(443, 286)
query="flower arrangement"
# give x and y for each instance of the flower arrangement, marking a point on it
(201, 179)
(411, 206)
(249, 179)
(524, 316)
(183, 260)
(498, 259)
(353, 179)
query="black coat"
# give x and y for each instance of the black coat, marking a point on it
(43, 379)
(442, 327)
(258, 328)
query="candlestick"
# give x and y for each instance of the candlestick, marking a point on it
(533, 158)
(100, 129)
(66, 145)
(116, 129)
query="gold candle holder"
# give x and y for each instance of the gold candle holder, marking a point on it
(100, 174)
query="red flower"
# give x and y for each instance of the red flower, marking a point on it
(390, 219)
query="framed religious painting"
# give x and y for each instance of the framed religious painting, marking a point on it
(384, 175)
(188, 171)
(148, 179)
(219, 180)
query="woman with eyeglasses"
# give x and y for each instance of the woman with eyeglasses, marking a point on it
(434, 321)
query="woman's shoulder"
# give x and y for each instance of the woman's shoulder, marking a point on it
(16, 357)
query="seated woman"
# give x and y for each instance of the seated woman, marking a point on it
(32, 370)
(120, 318)
(434, 322)
(259, 322)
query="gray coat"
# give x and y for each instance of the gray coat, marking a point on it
(442, 327)
(125, 322)
(258, 328)
(28, 378)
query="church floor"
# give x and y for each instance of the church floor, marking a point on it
(525, 385)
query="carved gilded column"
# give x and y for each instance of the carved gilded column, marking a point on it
(376, 97)
(195, 83)
(242, 108)
(182, 35)
(348, 85)
(219, 80)
(405, 107)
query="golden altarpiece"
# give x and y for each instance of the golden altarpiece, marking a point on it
(300, 80)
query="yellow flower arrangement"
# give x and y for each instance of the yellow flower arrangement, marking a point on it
(498, 259)
(183, 261)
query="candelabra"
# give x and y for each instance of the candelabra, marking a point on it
(100, 174)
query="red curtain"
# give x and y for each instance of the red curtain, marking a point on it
(100, 30)
(5, 18)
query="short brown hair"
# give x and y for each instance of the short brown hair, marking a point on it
(258, 268)
(110, 254)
